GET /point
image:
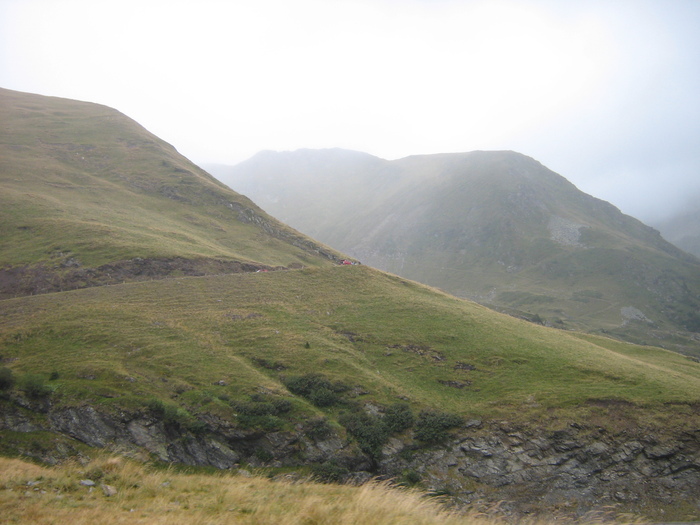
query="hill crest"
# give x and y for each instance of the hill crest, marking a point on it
(496, 227)
(90, 197)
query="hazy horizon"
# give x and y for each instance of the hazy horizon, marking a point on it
(603, 93)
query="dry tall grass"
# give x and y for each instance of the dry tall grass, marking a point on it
(131, 493)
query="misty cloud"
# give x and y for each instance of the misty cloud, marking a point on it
(604, 93)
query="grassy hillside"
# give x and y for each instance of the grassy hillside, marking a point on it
(198, 353)
(496, 227)
(341, 372)
(388, 338)
(83, 186)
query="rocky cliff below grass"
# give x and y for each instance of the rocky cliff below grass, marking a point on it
(570, 470)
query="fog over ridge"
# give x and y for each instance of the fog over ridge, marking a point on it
(602, 93)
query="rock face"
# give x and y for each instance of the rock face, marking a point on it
(220, 446)
(579, 468)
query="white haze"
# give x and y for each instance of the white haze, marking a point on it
(604, 93)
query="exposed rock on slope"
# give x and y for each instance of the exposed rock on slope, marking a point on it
(575, 469)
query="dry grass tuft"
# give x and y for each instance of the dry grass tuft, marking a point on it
(141, 495)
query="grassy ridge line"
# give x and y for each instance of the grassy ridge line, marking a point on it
(83, 182)
(394, 338)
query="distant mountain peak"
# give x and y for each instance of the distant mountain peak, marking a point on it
(494, 226)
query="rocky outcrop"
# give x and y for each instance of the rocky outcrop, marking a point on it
(523, 469)
(578, 467)
(218, 444)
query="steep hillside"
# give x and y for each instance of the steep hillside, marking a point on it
(496, 227)
(87, 196)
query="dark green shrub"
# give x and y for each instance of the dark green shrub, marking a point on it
(323, 397)
(317, 389)
(432, 426)
(398, 417)
(7, 379)
(260, 406)
(262, 413)
(54, 375)
(282, 406)
(33, 385)
(370, 431)
(266, 422)
(168, 413)
(156, 407)
(252, 409)
(197, 426)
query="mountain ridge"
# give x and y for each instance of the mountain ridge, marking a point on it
(496, 227)
(66, 162)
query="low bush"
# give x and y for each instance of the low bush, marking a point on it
(168, 413)
(398, 417)
(33, 385)
(317, 389)
(263, 455)
(432, 426)
(370, 431)
(318, 428)
(7, 378)
(410, 477)
(262, 413)
(266, 422)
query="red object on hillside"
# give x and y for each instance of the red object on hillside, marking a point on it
(345, 261)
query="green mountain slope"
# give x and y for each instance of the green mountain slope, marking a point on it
(394, 339)
(341, 372)
(496, 227)
(349, 371)
(88, 196)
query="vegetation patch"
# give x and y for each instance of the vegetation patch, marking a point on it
(7, 378)
(432, 426)
(263, 412)
(317, 389)
(370, 431)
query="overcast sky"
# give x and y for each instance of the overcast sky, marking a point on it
(606, 93)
